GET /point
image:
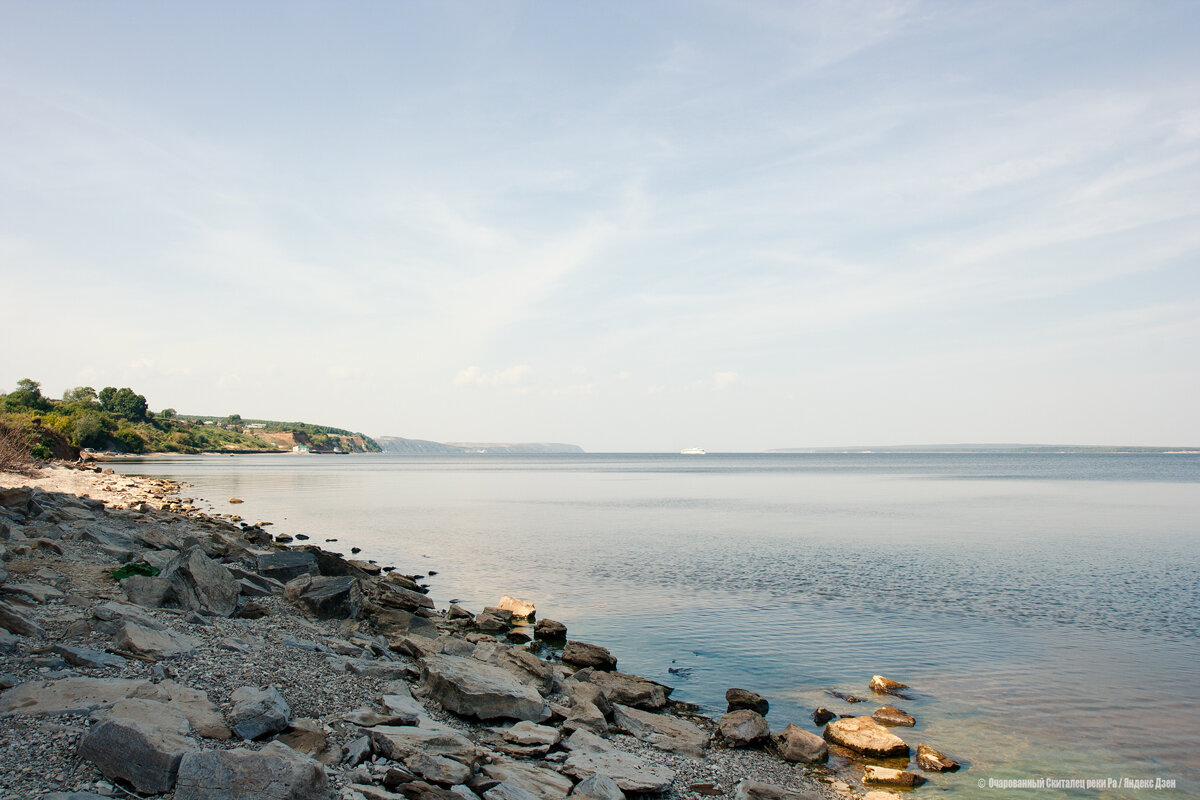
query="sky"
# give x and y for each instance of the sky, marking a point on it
(631, 226)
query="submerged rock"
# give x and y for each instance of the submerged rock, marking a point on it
(882, 685)
(890, 715)
(866, 736)
(932, 760)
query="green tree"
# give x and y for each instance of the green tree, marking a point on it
(89, 430)
(80, 394)
(233, 419)
(168, 413)
(27, 395)
(106, 396)
(124, 402)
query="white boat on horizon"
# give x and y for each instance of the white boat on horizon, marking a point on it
(693, 451)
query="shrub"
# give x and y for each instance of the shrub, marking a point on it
(15, 453)
(138, 568)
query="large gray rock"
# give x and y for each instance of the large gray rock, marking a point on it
(662, 731)
(598, 787)
(474, 689)
(437, 769)
(631, 773)
(865, 735)
(150, 591)
(550, 630)
(542, 782)
(139, 753)
(527, 668)
(75, 695)
(628, 690)
(326, 597)
(274, 773)
(744, 729)
(581, 654)
(800, 746)
(286, 565)
(87, 658)
(744, 699)
(143, 641)
(152, 713)
(392, 595)
(198, 583)
(259, 712)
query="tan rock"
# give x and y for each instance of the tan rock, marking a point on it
(891, 777)
(866, 736)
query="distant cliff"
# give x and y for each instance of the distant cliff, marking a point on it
(422, 447)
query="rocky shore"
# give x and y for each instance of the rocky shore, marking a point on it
(149, 649)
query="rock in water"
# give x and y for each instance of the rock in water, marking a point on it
(890, 715)
(890, 777)
(798, 745)
(866, 736)
(474, 689)
(521, 609)
(137, 752)
(744, 729)
(822, 715)
(550, 630)
(931, 760)
(274, 773)
(581, 654)
(259, 712)
(744, 699)
(882, 685)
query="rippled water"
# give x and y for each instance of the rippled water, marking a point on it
(1046, 608)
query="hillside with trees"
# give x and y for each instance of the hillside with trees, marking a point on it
(119, 419)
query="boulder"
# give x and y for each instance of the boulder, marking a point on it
(507, 791)
(800, 746)
(629, 690)
(396, 622)
(17, 498)
(287, 564)
(458, 612)
(274, 773)
(631, 773)
(550, 630)
(520, 609)
(392, 595)
(150, 591)
(474, 689)
(664, 732)
(890, 715)
(398, 700)
(493, 620)
(866, 736)
(140, 640)
(326, 597)
(891, 777)
(152, 713)
(36, 592)
(746, 700)
(931, 760)
(744, 729)
(581, 654)
(882, 685)
(598, 787)
(258, 712)
(586, 716)
(136, 752)
(75, 695)
(199, 583)
(544, 783)
(754, 790)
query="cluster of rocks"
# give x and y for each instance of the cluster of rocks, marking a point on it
(220, 665)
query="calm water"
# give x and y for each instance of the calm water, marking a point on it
(1046, 608)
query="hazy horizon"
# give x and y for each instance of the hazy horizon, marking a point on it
(628, 227)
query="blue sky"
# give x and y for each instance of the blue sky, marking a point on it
(631, 226)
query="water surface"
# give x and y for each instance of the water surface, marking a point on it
(1046, 608)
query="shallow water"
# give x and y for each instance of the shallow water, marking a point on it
(1045, 608)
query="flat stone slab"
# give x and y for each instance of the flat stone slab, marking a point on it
(277, 772)
(140, 640)
(664, 732)
(474, 689)
(75, 695)
(406, 739)
(544, 783)
(632, 774)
